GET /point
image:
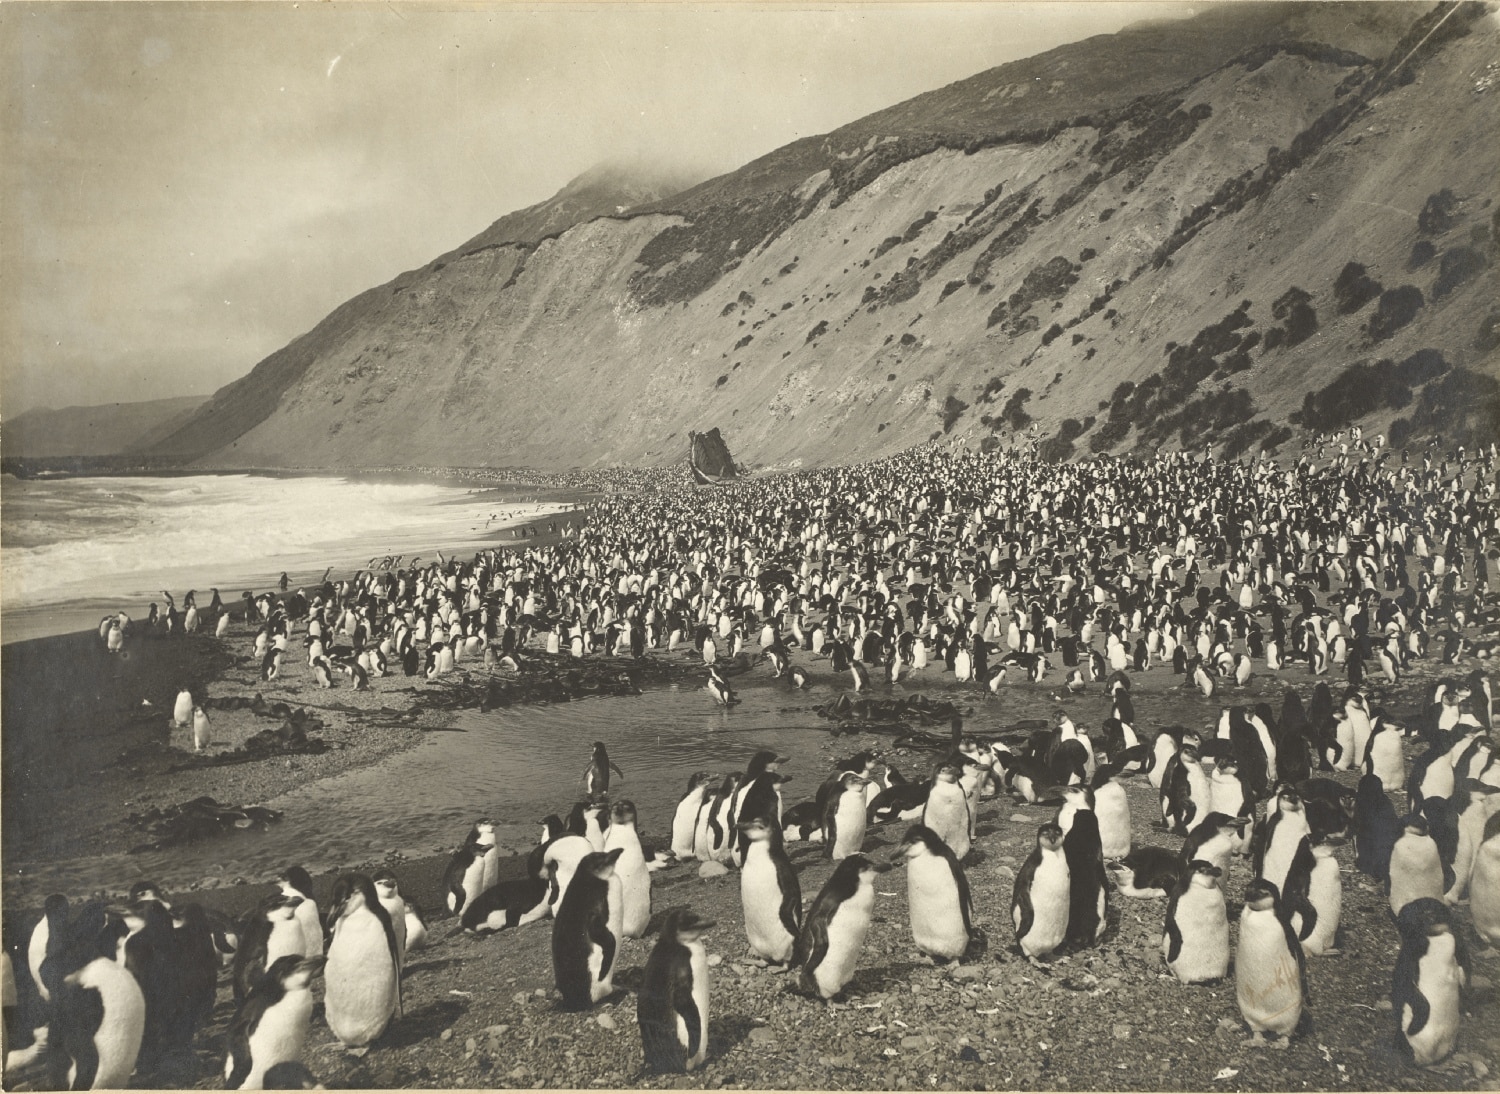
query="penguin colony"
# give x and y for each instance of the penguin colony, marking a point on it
(1057, 562)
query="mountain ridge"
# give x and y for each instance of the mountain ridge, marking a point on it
(901, 279)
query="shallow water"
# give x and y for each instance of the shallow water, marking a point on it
(76, 548)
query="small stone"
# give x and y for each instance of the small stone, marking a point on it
(540, 993)
(966, 972)
(446, 1035)
(520, 998)
(470, 1045)
(913, 1041)
(715, 960)
(712, 869)
(497, 1031)
(1383, 1004)
(605, 1021)
(1481, 1069)
(1019, 818)
(1121, 1031)
(518, 1074)
(760, 1035)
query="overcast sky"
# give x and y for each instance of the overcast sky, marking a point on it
(186, 187)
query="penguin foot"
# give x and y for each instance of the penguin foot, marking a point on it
(1256, 1039)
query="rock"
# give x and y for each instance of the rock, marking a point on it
(1383, 1005)
(446, 1035)
(1121, 1031)
(520, 998)
(1019, 818)
(496, 1031)
(469, 1046)
(605, 1021)
(966, 972)
(712, 869)
(1481, 1069)
(913, 1041)
(760, 1035)
(715, 960)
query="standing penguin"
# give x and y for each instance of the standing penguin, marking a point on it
(1376, 827)
(1484, 884)
(98, 1022)
(672, 1007)
(271, 932)
(1185, 791)
(1195, 940)
(362, 978)
(586, 936)
(1417, 869)
(844, 818)
(464, 878)
(1431, 968)
(947, 810)
(295, 881)
(938, 896)
(1325, 892)
(1270, 977)
(1384, 757)
(770, 893)
(200, 729)
(182, 710)
(635, 879)
(388, 892)
(1088, 893)
(835, 928)
(270, 1026)
(1278, 837)
(1112, 807)
(1039, 902)
(596, 775)
(685, 819)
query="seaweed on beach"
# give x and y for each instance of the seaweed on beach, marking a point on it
(291, 738)
(195, 820)
(893, 714)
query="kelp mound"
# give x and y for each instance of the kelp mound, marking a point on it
(291, 738)
(195, 820)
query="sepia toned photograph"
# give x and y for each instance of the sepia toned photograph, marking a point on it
(756, 546)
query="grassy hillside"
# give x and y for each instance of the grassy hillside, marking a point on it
(1225, 230)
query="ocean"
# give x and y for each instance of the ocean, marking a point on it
(73, 549)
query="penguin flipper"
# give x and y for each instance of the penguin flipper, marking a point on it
(1174, 933)
(1022, 913)
(684, 1004)
(601, 936)
(791, 896)
(239, 1063)
(615, 769)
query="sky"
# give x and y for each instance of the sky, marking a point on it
(186, 187)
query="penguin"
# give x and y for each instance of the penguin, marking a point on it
(1217, 837)
(1270, 974)
(1228, 792)
(1376, 828)
(1417, 869)
(1112, 807)
(719, 687)
(1039, 901)
(464, 878)
(270, 1026)
(630, 868)
(200, 729)
(1484, 883)
(512, 903)
(587, 931)
(1195, 939)
(947, 810)
(717, 823)
(47, 937)
(833, 933)
(388, 892)
(1324, 891)
(672, 1005)
(1146, 872)
(1088, 896)
(938, 896)
(685, 819)
(271, 932)
(362, 975)
(596, 775)
(844, 818)
(295, 881)
(98, 1024)
(1431, 969)
(770, 893)
(586, 820)
(1185, 791)
(291, 1075)
(759, 796)
(1278, 838)
(1384, 756)
(182, 710)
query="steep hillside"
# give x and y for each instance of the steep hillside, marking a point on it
(1182, 234)
(95, 430)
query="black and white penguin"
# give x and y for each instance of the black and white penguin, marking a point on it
(937, 895)
(770, 893)
(1417, 868)
(270, 1027)
(1323, 889)
(844, 818)
(512, 903)
(1088, 894)
(759, 796)
(1484, 883)
(596, 775)
(464, 879)
(362, 976)
(834, 930)
(1185, 791)
(1195, 939)
(630, 868)
(1377, 827)
(270, 932)
(1145, 872)
(719, 687)
(1278, 837)
(1112, 806)
(586, 935)
(1039, 901)
(685, 819)
(672, 1006)
(1431, 969)
(295, 881)
(47, 937)
(1270, 975)
(388, 891)
(946, 811)
(98, 1019)
(1384, 756)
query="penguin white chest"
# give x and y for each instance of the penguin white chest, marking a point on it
(635, 879)
(849, 824)
(360, 982)
(1268, 983)
(312, 928)
(1283, 848)
(947, 814)
(1113, 809)
(760, 895)
(279, 1035)
(287, 937)
(1203, 923)
(684, 824)
(1416, 871)
(846, 937)
(937, 916)
(1326, 892)
(602, 981)
(1050, 890)
(698, 963)
(1438, 979)
(1484, 890)
(1226, 795)
(118, 1039)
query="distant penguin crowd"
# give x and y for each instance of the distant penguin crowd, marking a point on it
(999, 569)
